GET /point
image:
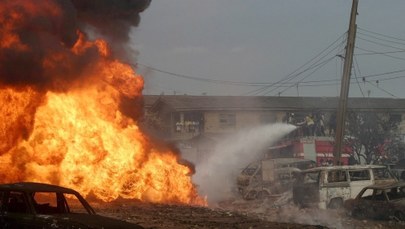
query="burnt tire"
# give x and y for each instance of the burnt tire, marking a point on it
(336, 203)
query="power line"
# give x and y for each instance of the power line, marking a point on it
(389, 93)
(337, 82)
(319, 66)
(287, 84)
(294, 74)
(380, 34)
(375, 53)
(378, 43)
(201, 79)
(391, 78)
(381, 39)
(355, 75)
(394, 57)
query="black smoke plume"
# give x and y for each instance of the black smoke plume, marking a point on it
(36, 37)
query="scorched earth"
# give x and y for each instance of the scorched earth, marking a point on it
(274, 212)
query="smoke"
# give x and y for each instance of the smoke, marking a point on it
(111, 19)
(37, 41)
(37, 38)
(282, 209)
(216, 177)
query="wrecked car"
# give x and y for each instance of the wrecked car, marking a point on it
(266, 177)
(329, 187)
(383, 201)
(37, 205)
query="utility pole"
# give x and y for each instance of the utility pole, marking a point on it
(344, 89)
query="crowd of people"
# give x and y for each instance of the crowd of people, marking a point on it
(314, 124)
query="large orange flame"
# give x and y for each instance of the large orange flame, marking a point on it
(79, 138)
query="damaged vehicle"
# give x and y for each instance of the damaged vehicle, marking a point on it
(37, 205)
(267, 177)
(383, 201)
(329, 187)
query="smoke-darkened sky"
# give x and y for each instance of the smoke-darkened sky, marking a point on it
(264, 41)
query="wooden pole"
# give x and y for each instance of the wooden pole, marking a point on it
(344, 90)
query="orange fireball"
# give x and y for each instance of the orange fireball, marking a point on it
(75, 135)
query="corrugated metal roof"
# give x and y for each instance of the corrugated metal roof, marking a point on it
(185, 102)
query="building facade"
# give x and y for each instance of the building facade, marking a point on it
(182, 118)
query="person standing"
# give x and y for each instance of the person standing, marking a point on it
(310, 124)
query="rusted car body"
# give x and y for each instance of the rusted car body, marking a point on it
(329, 187)
(383, 201)
(36, 205)
(269, 176)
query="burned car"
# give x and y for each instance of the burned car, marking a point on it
(383, 201)
(37, 205)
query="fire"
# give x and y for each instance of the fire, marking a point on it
(77, 136)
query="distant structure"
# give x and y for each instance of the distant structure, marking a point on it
(193, 120)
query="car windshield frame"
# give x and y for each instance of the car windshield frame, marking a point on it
(383, 193)
(58, 205)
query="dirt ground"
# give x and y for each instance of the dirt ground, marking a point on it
(275, 212)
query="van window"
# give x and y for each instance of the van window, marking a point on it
(382, 174)
(310, 178)
(337, 176)
(305, 165)
(359, 175)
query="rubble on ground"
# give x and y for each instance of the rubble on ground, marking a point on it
(273, 212)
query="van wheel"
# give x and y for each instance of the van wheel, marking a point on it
(250, 195)
(262, 195)
(336, 203)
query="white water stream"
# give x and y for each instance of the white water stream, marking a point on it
(216, 177)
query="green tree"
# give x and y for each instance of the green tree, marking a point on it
(373, 137)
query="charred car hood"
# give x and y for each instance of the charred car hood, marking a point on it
(85, 221)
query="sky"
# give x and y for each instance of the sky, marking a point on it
(269, 47)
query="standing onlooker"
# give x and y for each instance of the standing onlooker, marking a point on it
(332, 124)
(310, 124)
(321, 124)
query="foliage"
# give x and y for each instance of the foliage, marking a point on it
(374, 138)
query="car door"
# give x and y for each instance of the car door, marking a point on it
(2, 220)
(338, 188)
(16, 211)
(373, 205)
(359, 179)
(379, 204)
(363, 206)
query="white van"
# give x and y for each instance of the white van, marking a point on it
(329, 187)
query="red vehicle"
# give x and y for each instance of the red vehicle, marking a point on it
(316, 148)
